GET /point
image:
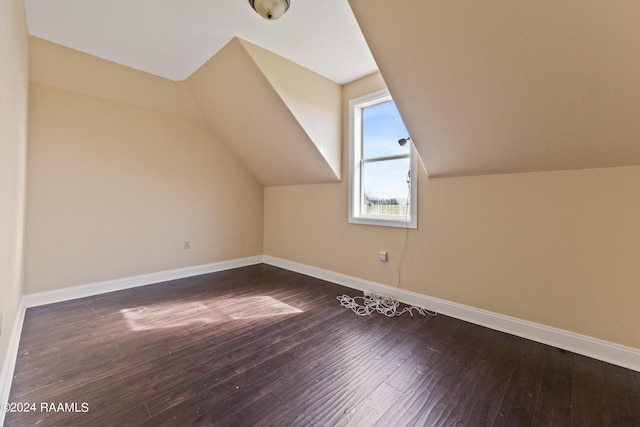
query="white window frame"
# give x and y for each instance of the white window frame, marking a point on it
(356, 192)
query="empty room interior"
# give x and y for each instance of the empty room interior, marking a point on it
(180, 177)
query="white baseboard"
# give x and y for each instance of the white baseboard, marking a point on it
(598, 349)
(627, 357)
(616, 354)
(66, 294)
(6, 374)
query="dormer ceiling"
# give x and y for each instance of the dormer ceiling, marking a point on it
(286, 130)
(173, 39)
(484, 87)
(281, 120)
(505, 86)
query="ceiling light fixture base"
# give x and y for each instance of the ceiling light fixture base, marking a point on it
(270, 9)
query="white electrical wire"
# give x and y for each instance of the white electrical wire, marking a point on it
(381, 304)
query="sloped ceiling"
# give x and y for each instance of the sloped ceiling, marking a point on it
(285, 130)
(484, 87)
(314, 101)
(241, 105)
(500, 86)
(172, 39)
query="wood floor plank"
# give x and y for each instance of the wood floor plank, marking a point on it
(262, 346)
(553, 406)
(589, 395)
(488, 380)
(480, 382)
(603, 394)
(359, 381)
(427, 396)
(335, 369)
(206, 368)
(519, 400)
(369, 411)
(123, 364)
(430, 348)
(262, 376)
(227, 371)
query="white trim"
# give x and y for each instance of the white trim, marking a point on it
(6, 374)
(355, 172)
(627, 357)
(65, 294)
(616, 354)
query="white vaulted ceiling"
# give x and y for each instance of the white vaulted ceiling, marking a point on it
(172, 39)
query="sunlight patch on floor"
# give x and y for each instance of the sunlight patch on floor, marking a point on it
(181, 314)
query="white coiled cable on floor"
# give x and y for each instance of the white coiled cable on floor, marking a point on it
(381, 304)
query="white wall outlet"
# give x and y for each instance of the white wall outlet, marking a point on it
(383, 256)
(187, 244)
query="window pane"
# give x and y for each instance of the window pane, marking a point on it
(382, 127)
(385, 187)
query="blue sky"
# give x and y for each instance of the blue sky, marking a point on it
(382, 128)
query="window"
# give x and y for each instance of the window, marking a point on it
(382, 164)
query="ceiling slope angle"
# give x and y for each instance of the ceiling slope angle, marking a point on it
(501, 87)
(280, 119)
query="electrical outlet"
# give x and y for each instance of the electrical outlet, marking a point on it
(187, 244)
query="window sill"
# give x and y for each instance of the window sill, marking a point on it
(383, 221)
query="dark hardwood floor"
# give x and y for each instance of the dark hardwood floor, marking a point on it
(261, 346)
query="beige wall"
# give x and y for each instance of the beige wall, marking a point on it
(58, 66)
(557, 248)
(115, 189)
(13, 145)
